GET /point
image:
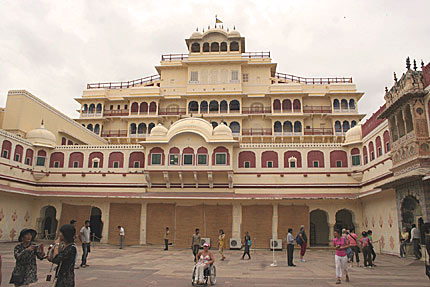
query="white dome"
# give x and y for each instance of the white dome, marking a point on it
(41, 137)
(196, 34)
(353, 135)
(221, 130)
(159, 130)
(234, 33)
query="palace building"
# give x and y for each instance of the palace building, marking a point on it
(219, 139)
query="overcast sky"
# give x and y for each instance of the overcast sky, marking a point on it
(54, 48)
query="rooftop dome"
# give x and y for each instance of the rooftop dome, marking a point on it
(159, 130)
(196, 34)
(353, 135)
(222, 130)
(234, 33)
(41, 137)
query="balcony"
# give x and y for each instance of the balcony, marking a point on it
(344, 110)
(114, 134)
(172, 112)
(174, 57)
(256, 110)
(253, 55)
(286, 111)
(115, 113)
(136, 135)
(312, 81)
(124, 85)
(288, 134)
(318, 131)
(148, 113)
(257, 132)
(91, 114)
(316, 109)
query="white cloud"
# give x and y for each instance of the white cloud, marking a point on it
(54, 48)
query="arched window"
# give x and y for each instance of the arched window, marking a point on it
(378, 144)
(297, 106)
(338, 158)
(408, 119)
(19, 150)
(365, 156)
(203, 107)
(152, 107)
(223, 106)
(213, 106)
(235, 127)
(214, 124)
(297, 127)
(141, 129)
(246, 159)
(315, 159)
(269, 159)
(174, 154)
(400, 124)
(215, 47)
(95, 160)
(338, 127)
(202, 156)
(85, 109)
(6, 149)
(150, 126)
(371, 151)
(56, 160)
(355, 155)
(195, 47)
(353, 124)
(193, 106)
(205, 47)
(288, 127)
(220, 156)
(277, 105)
(136, 160)
(99, 108)
(292, 159)
(352, 104)
(133, 129)
(223, 46)
(345, 126)
(234, 105)
(28, 156)
(92, 108)
(143, 107)
(286, 105)
(134, 108)
(234, 46)
(393, 128)
(188, 156)
(97, 129)
(90, 127)
(41, 158)
(344, 105)
(116, 160)
(156, 156)
(386, 137)
(76, 160)
(336, 104)
(277, 126)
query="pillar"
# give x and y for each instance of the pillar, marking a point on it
(105, 220)
(237, 220)
(143, 223)
(275, 221)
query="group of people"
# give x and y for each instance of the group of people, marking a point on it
(301, 239)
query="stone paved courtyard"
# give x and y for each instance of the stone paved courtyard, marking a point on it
(151, 266)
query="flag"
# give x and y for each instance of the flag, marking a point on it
(217, 21)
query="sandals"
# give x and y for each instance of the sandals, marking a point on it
(338, 281)
(347, 278)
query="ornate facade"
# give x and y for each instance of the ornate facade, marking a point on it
(218, 139)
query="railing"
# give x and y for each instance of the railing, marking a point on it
(287, 110)
(251, 55)
(174, 57)
(344, 110)
(312, 81)
(124, 85)
(89, 114)
(316, 109)
(143, 113)
(177, 111)
(288, 133)
(114, 133)
(136, 135)
(318, 131)
(115, 113)
(256, 110)
(257, 132)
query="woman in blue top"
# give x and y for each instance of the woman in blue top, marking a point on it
(247, 241)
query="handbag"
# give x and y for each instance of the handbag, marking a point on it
(349, 251)
(17, 278)
(249, 242)
(299, 239)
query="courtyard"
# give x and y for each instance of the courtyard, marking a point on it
(151, 266)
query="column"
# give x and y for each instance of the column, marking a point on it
(143, 223)
(105, 220)
(237, 220)
(275, 221)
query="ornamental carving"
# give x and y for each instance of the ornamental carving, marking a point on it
(381, 222)
(366, 222)
(1, 214)
(373, 221)
(390, 220)
(27, 217)
(14, 216)
(12, 234)
(382, 241)
(410, 82)
(391, 242)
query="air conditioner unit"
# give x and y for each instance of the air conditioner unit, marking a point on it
(276, 244)
(205, 240)
(235, 243)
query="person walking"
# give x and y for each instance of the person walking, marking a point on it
(365, 247)
(415, 239)
(302, 240)
(73, 222)
(63, 255)
(195, 243)
(84, 236)
(166, 239)
(372, 249)
(121, 236)
(247, 243)
(221, 244)
(404, 239)
(353, 244)
(290, 247)
(341, 260)
(26, 252)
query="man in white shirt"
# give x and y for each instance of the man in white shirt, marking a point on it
(415, 239)
(84, 236)
(290, 247)
(121, 236)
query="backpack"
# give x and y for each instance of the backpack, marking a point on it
(299, 240)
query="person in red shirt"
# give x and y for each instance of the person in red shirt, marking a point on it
(367, 253)
(353, 244)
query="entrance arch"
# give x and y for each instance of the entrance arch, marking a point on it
(319, 230)
(410, 211)
(96, 224)
(48, 227)
(344, 219)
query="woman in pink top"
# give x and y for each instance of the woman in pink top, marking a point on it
(353, 243)
(340, 258)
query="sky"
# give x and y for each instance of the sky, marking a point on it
(54, 48)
